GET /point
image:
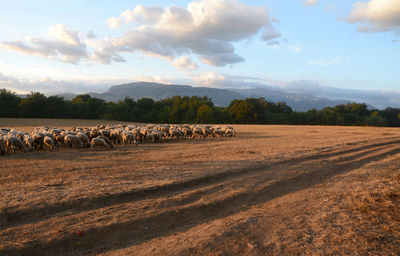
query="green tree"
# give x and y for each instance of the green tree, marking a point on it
(35, 105)
(9, 103)
(205, 114)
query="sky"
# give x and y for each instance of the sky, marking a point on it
(88, 45)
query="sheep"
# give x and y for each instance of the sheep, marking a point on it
(106, 139)
(157, 135)
(218, 132)
(230, 132)
(98, 142)
(9, 145)
(150, 137)
(187, 132)
(59, 139)
(206, 132)
(2, 146)
(115, 136)
(197, 131)
(28, 142)
(84, 139)
(176, 134)
(93, 133)
(105, 132)
(48, 141)
(127, 137)
(73, 140)
(37, 138)
(18, 143)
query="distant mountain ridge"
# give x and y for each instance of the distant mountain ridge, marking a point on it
(221, 97)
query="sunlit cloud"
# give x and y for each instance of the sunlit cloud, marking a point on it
(376, 16)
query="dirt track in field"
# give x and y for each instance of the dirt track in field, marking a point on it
(272, 190)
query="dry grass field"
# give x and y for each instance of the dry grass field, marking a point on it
(272, 190)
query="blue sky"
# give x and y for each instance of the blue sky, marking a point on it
(338, 43)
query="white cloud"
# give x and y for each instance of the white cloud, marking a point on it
(376, 15)
(207, 29)
(62, 43)
(104, 51)
(114, 22)
(203, 28)
(140, 14)
(185, 63)
(325, 62)
(311, 2)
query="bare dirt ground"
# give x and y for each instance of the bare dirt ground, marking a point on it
(272, 190)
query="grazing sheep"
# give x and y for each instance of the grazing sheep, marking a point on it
(230, 132)
(37, 138)
(48, 142)
(127, 137)
(105, 132)
(2, 146)
(218, 132)
(106, 139)
(187, 132)
(176, 134)
(9, 145)
(18, 143)
(73, 140)
(197, 132)
(150, 137)
(28, 142)
(59, 139)
(115, 136)
(206, 132)
(84, 139)
(94, 133)
(98, 142)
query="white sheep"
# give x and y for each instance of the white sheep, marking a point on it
(84, 138)
(48, 141)
(73, 140)
(28, 142)
(98, 142)
(106, 139)
(18, 143)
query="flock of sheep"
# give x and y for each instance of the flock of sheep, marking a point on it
(12, 141)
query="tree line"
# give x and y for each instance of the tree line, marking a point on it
(192, 109)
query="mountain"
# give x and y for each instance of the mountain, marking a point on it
(296, 99)
(156, 91)
(379, 99)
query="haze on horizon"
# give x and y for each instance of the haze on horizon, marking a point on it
(83, 45)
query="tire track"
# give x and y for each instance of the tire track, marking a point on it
(35, 214)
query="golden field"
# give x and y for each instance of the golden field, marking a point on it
(272, 190)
